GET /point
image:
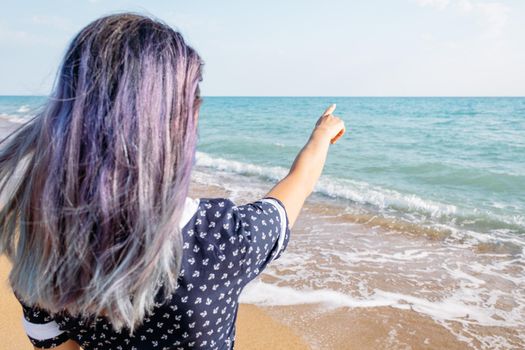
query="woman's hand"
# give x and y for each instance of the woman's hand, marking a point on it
(330, 125)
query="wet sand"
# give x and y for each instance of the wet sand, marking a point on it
(366, 328)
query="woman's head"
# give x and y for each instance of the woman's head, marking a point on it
(91, 224)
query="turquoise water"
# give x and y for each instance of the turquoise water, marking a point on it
(458, 162)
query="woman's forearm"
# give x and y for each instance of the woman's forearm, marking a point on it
(303, 175)
(309, 163)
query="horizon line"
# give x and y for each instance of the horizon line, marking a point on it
(334, 96)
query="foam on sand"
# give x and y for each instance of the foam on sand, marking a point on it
(13, 118)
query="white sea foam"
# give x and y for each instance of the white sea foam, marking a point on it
(363, 193)
(455, 307)
(273, 173)
(23, 109)
(382, 198)
(261, 293)
(13, 118)
(356, 191)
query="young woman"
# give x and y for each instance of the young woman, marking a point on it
(108, 251)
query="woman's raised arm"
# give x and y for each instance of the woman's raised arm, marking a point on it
(308, 165)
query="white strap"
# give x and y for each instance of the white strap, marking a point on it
(190, 207)
(282, 215)
(41, 331)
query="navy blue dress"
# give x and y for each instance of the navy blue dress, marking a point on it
(225, 246)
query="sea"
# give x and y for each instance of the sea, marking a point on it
(416, 226)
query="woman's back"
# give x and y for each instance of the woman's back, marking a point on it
(225, 246)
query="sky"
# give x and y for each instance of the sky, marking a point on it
(297, 48)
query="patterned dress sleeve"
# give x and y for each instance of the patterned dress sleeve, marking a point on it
(41, 328)
(265, 227)
(248, 236)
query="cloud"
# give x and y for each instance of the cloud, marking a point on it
(493, 15)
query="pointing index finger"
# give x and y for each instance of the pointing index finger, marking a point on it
(330, 109)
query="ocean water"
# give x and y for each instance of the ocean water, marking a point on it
(435, 161)
(421, 205)
(450, 161)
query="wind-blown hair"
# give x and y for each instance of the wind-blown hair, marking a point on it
(94, 186)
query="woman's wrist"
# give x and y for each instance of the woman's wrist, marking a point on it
(320, 135)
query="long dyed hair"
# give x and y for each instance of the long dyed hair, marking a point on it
(94, 186)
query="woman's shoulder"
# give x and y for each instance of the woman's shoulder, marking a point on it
(207, 212)
(221, 222)
(242, 239)
(195, 209)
